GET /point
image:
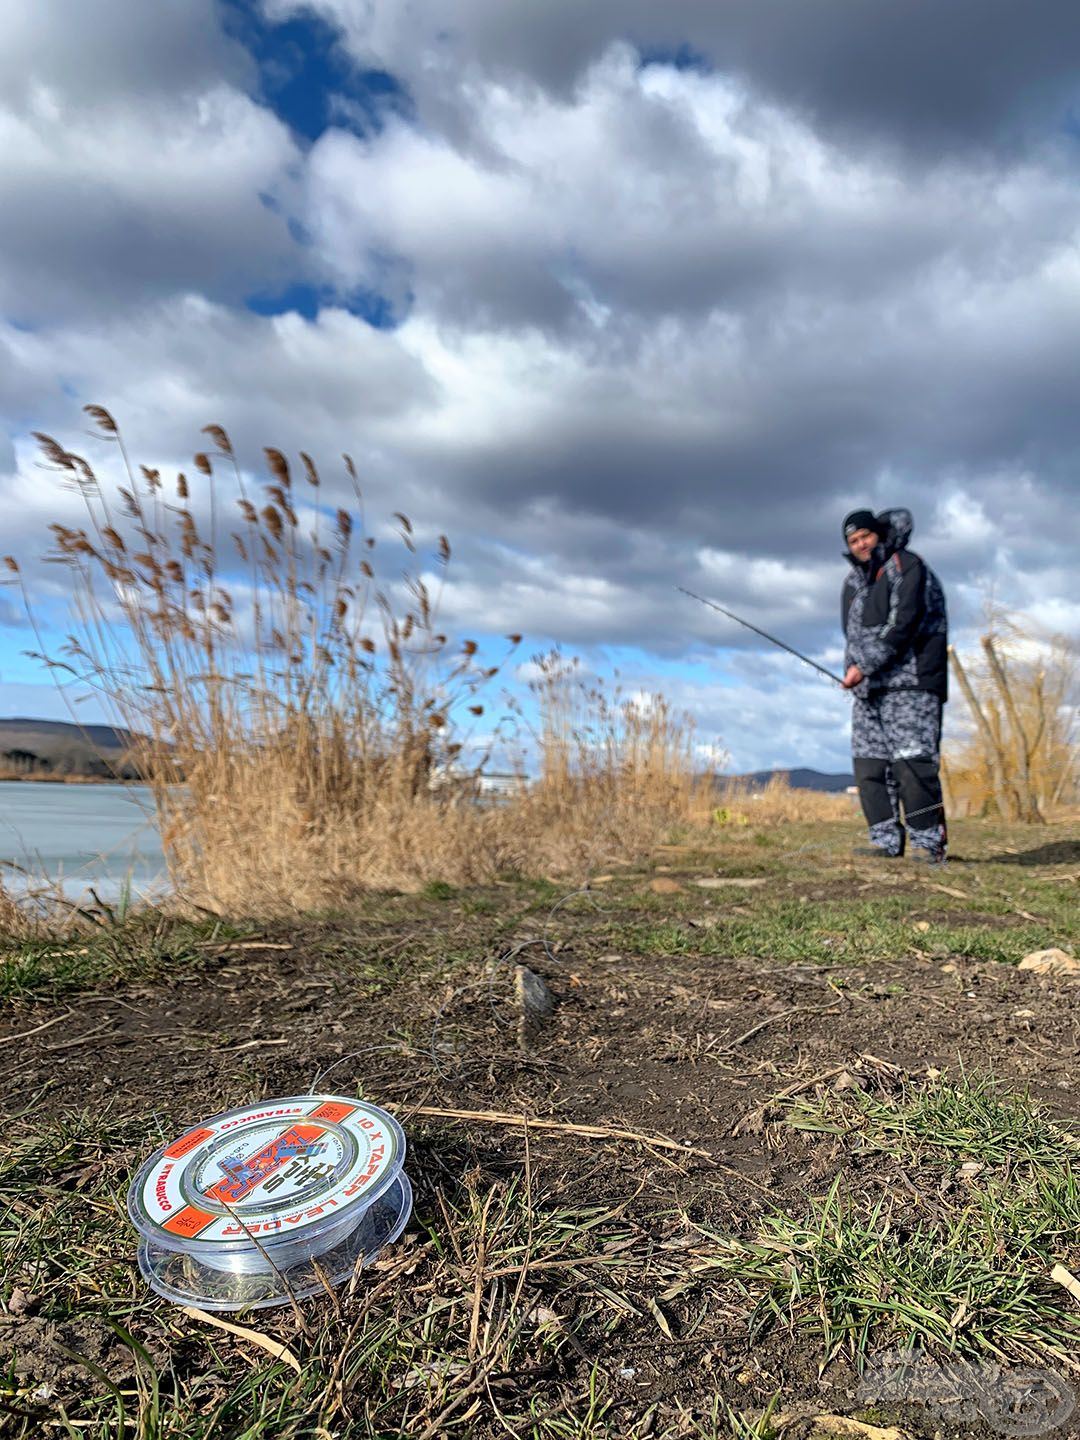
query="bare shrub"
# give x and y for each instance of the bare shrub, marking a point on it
(1020, 758)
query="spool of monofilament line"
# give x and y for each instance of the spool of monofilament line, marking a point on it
(270, 1202)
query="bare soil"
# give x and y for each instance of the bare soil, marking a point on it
(691, 1049)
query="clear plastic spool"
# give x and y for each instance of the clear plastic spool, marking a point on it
(270, 1201)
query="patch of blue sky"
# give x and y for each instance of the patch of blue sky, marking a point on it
(43, 700)
(13, 635)
(383, 305)
(677, 57)
(29, 687)
(307, 77)
(307, 300)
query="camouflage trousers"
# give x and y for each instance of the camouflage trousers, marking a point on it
(896, 750)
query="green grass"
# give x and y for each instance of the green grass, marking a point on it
(971, 1118)
(145, 947)
(844, 931)
(965, 1269)
(439, 890)
(363, 943)
(825, 935)
(861, 1278)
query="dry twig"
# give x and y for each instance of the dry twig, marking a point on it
(265, 1342)
(591, 1132)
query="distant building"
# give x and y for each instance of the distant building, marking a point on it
(489, 785)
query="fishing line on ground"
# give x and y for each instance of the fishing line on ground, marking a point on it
(272, 1201)
(356, 1055)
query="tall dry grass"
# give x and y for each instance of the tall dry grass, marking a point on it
(1021, 757)
(293, 715)
(289, 709)
(616, 769)
(778, 803)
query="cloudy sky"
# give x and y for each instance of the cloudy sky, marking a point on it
(621, 295)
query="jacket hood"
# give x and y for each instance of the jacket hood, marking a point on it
(897, 526)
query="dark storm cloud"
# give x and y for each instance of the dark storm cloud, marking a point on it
(916, 72)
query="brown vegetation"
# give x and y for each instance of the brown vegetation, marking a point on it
(1020, 760)
(778, 803)
(294, 716)
(616, 771)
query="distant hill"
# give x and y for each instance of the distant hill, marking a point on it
(799, 779)
(56, 747)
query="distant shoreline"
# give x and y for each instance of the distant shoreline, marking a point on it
(66, 780)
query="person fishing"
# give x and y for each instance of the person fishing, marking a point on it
(896, 664)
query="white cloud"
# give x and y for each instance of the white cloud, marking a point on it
(660, 326)
(170, 368)
(666, 190)
(131, 164)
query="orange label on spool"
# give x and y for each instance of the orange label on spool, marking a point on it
(188, 1221)
(187, 1143)
(332, 1110)
(250, 1172)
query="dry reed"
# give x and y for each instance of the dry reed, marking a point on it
(294, 718)
(616, 770)
(740, 803)
(17, 922)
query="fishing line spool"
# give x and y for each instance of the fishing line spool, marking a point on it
(270, 1202)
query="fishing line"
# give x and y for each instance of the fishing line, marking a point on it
(357, 1055)
(783, 645)
(270, 1202)
(275, 1200)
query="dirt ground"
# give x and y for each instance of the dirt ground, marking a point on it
(692, 1048)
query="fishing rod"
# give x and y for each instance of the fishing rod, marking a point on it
(771, 638)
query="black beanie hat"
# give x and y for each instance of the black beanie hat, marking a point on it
(862, 520)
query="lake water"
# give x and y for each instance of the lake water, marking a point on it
(82, 835)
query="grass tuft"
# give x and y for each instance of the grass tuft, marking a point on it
(864, 1279)
(971, 1118)
(963, 1270)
